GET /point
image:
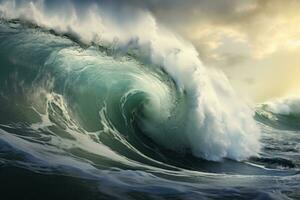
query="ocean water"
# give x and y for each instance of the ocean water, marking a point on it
(91, 111)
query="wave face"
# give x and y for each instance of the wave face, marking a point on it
(90, 96)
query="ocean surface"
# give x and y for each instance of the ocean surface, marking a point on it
(85, 117)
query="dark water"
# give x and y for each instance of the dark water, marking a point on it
(72, 126)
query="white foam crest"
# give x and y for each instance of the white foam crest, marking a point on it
(284, 106)
(219, 124)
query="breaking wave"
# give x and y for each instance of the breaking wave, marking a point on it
(122, 76)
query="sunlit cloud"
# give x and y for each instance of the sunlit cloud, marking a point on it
(254, 38)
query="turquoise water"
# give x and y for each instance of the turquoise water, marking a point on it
(90, 122)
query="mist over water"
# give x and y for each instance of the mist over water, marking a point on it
(120, 107)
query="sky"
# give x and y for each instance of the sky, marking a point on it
(255, 42)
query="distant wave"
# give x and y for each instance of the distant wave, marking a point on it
(287, 106)
(283, 113)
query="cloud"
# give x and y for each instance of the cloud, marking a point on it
(257, 40)
(262, 26)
